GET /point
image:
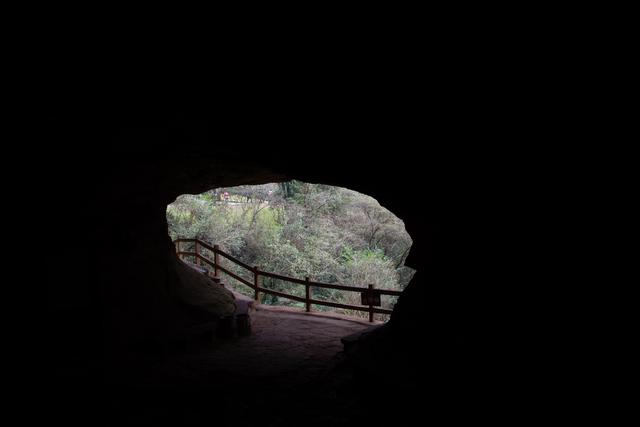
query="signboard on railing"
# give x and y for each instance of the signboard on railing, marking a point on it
(370, 297)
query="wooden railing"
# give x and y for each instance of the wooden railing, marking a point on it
(369, 295)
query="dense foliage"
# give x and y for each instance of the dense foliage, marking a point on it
(328, 234)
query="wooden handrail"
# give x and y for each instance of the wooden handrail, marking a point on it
(186, 253)
(233, 259)
(260, 289)
(281, 277)
(185, 240)
(312, 283)
(350, 307)
(282, 294)
(230, 273)
(235, 276)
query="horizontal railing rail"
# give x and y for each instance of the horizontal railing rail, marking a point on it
(371, 292)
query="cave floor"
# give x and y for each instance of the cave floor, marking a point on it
(287, 371)
(285, 346)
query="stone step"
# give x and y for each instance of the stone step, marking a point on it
(238, 324)
(244, 304)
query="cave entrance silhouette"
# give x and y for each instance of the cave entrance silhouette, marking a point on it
(293, 363)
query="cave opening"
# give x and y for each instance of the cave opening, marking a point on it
(310, 247)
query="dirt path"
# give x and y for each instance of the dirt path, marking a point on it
(286, 347)
(278, 376)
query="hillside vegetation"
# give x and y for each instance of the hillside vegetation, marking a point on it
(326, 233)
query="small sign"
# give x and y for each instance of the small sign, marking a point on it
(370, 297)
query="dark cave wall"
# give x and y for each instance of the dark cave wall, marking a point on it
(122, 280)
(131, 261)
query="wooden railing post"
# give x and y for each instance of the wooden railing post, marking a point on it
(307, 294)
(256, 282)
(370, 303)
(216, 260)
(370, 297)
